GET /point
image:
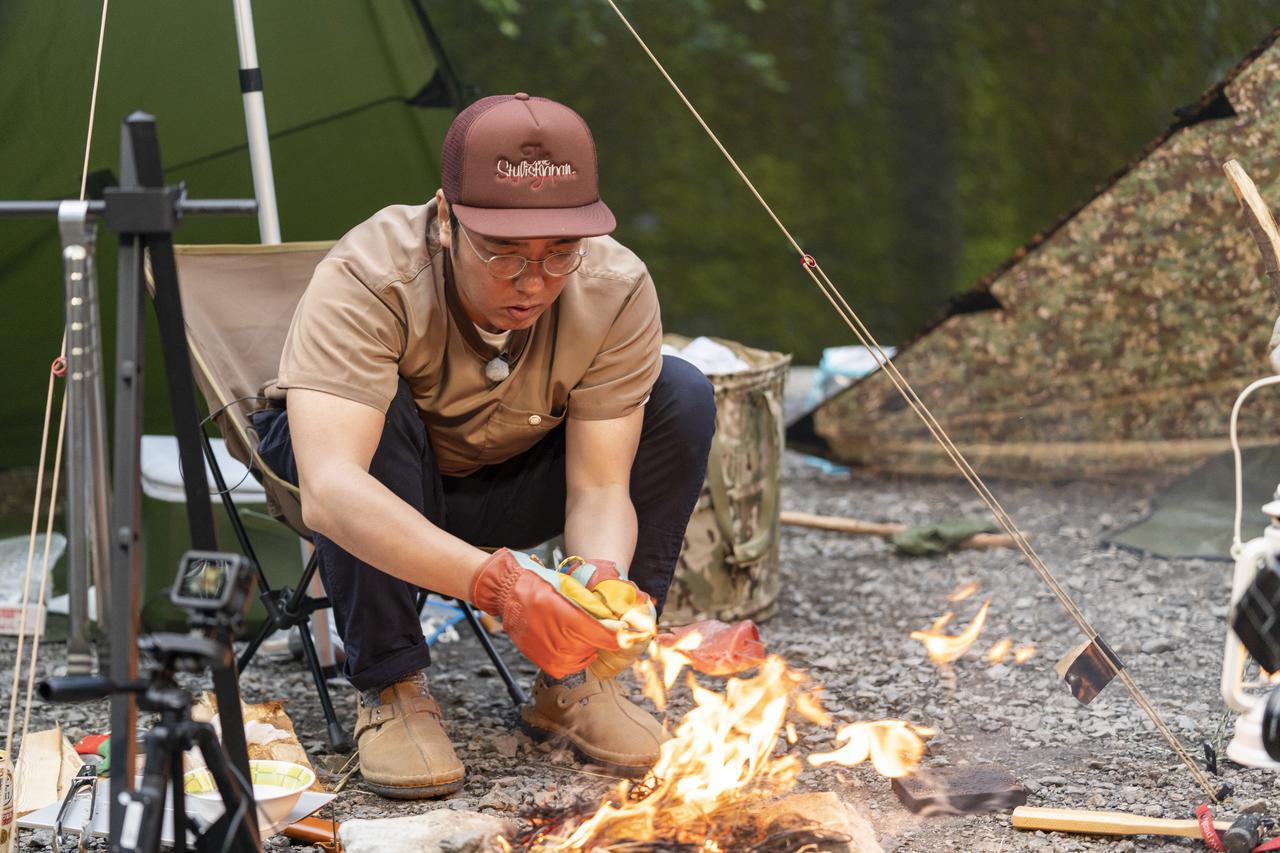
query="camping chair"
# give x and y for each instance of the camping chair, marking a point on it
(238, 301)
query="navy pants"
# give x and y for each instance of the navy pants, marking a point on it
(518, 504)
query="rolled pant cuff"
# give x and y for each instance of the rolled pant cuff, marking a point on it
(389, 670)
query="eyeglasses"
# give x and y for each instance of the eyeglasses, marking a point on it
(511, 266)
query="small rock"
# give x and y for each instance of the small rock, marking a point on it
(1157, 646)
(505, 745)
(1128, 647)
(1255, 807)
(497, 799)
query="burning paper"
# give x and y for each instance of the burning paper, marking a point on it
(895, 747)
(720, 649)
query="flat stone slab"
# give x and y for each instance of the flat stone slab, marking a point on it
(962, 789)
(441, 830)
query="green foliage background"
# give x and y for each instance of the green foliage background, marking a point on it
(910, 146)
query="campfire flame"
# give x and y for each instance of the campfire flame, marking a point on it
(672, 659)
(944, 648)
(731, 748)
(964, 591)
(1022, 654)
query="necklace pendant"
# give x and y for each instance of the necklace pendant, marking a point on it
(497, 369)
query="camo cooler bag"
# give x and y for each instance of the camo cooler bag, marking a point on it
(728, 566)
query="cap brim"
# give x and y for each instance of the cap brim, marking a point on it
(524, 223)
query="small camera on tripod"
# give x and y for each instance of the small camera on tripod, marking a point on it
(213, 588)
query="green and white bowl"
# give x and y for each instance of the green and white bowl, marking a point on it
(277, 785)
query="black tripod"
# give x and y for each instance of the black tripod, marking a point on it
(176, 732)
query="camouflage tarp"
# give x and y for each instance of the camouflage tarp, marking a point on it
(729, 562)
(1123, 334)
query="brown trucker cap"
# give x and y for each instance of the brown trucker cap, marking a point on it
(517, 167)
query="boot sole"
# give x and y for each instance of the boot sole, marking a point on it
(545, 730)
(417, 792)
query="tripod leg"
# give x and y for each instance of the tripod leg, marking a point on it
(155, 778)
(245, 825)
(517, 694)
(337, 734)
(177, 798)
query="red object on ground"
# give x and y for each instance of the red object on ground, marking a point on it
(724, 649)
(88, 745)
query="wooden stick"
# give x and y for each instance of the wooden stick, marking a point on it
(885, 529)
(979, 541)
(1106, 823)
(841, 525)
(1261, 222)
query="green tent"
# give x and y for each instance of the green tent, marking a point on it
(357, 102)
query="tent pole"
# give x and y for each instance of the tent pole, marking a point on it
(255, 120)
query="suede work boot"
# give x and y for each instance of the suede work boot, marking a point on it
(601, 724)
(404, 751)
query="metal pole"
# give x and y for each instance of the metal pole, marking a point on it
(255, 120)
(77, 231)
(185, 207)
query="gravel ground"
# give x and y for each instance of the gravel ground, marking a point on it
(846, 608)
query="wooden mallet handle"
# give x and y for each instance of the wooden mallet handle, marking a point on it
(1088, 822)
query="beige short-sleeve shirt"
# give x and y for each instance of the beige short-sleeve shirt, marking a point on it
(382, 306)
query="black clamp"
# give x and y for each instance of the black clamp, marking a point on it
(144, 210)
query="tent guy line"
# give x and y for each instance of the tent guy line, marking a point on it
(833, 295)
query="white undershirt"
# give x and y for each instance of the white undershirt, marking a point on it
(497, 340)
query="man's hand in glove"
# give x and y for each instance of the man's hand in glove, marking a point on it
(542, 612)
(620, 605)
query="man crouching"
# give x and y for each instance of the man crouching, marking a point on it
(481, 371)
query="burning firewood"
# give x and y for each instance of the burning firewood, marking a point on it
(726, 758)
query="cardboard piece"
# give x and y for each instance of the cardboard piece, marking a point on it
(45, 768)
(268, 731)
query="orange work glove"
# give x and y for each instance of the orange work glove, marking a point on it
(544, 623)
